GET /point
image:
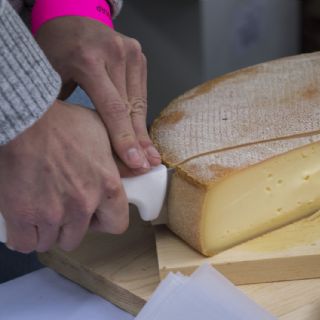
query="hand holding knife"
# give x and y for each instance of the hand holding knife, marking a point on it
(147, 192)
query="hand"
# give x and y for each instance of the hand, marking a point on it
(111, 69)
(55, 176)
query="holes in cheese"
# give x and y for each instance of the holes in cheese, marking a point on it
(241, 207)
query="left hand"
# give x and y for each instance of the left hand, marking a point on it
(112, 70)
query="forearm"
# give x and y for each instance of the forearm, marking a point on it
(28, 83)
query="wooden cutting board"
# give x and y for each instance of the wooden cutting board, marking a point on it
(289, 253)
(124, 270)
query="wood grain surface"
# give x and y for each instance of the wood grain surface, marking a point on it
(124, 270)
(289, 253)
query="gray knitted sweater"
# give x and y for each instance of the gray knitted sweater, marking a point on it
(28, 83)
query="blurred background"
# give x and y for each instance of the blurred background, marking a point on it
(190, 41)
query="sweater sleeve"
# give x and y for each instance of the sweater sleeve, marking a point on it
(28, 83)
(116, 6)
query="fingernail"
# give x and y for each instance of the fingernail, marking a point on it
(134, 156)
(153, 152)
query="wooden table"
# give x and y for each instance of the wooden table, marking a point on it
(124, 270)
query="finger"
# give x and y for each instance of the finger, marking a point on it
(107, 220)
(77, 220)
(124, 171)
(112, 214)
(137, 94)
(21, 237)
(48, 235)
(115, 115)
(49, 218)
(71, 235)
(117, 72)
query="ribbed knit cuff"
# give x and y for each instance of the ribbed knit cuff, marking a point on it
(28, 83)
(116, 6)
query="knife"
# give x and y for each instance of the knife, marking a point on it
(147, 192)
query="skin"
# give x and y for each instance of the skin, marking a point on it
(62, 175)
(63, 179)
(112, 70)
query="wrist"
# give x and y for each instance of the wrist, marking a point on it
(45, 10)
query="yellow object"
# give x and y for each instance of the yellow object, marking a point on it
(263, 197)
(246, 151)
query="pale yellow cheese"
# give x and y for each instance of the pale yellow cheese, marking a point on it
(246, 148)
(261, 198)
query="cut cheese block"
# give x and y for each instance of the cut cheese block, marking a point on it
(246, 147)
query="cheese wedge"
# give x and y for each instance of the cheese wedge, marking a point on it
(246, 148)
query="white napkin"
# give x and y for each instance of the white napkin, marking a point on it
(206, 295)
(45, 295)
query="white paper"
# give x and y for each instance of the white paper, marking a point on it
(206, 295)
(44, 295)
(166, 289)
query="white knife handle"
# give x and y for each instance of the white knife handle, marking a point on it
(146, 191)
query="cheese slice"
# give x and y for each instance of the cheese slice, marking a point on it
(246, 148)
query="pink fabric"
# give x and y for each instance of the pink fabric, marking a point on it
(45, 10)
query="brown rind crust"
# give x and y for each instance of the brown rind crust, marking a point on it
(185, 202)
(188, 191)
(277, 99)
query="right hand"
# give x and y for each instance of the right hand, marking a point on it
(57, 178)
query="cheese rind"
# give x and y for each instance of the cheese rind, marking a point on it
(246, 203)
(236, 143)
(271, 100)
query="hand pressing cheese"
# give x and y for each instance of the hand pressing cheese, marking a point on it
(246, 151)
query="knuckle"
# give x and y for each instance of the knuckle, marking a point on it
(52, 217)
(117, 110)
(118, 48)
(134, 46)
(144, 140)
(25, 216)
(138, 106)
(134, 49)
(88, 58)
(124, 139)
(112, 186)
(83, 206)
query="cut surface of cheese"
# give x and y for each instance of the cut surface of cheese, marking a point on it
(246, 151)
(261, 198)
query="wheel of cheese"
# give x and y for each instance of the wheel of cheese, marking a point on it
(246, 151)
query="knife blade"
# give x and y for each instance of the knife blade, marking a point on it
(147, 192)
